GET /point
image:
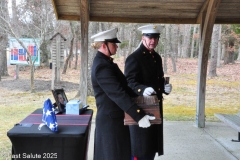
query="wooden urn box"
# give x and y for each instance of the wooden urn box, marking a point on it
(150, 105)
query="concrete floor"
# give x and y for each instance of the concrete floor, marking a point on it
(184, 141)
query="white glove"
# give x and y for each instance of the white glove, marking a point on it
(149, 91)
(144, 122)
(168, 88)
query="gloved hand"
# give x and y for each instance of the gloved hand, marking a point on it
(148, 91)
(144, 122)
(168, 88)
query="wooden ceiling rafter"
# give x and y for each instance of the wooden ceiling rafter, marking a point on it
(140, 11)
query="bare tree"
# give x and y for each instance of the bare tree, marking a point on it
(223, 50)
(71, 49)
(193, 41)
(132, 39)
(32, 21)
(238, 53)
(179, 45)
(219, 47)
(230, 39)
(3, 42)
(38, 21)
(186, 40)
(197, 40)
(172, 43)
(77, 40)
(166, 48)
(212, 72)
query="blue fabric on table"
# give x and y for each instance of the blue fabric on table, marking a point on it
(49, 117)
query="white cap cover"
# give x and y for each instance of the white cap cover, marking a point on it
(150, 29)
(106, 36)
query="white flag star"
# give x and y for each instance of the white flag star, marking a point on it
(51, 125)
(48, 113)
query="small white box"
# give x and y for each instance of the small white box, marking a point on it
(73, 106)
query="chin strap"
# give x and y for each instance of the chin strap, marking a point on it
(108, 49)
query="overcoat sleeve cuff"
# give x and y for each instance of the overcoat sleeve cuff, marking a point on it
(136, 113)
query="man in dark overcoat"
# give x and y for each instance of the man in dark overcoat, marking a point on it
(144, 73)
(112, 139)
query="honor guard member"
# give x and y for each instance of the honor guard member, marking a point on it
(144, 73)
(112, 94)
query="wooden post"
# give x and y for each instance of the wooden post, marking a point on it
(207, 22)
(84, 12)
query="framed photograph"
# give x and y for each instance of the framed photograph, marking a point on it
(60, 100)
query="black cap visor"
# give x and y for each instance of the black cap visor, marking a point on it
(114, 40)
(152, 35)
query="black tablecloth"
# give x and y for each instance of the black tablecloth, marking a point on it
(70, 142)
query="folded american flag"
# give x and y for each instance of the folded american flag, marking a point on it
(49, 117)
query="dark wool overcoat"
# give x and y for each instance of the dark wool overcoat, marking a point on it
(112, 139)
(144, 69)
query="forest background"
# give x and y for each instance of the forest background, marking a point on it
(179, 44)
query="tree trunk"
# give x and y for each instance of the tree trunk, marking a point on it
(68, 58)
(197, 40)
(179, 42)
(70, 61)
(219, 47)
(223, 51)
(186, 40)
(166, 50)
(3, 44)
(32, 78)
(212, 72)
(44, 53)
(226, 55)
(238, 54)
(231, 56)
(172, 43)
(71, 50)
(193, 41)
(76, 54)
(3, 55)
(131, 39)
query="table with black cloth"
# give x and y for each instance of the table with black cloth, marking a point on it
(70, 142)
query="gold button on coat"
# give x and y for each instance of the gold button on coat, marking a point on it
(139, 90)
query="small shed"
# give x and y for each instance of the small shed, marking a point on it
(57, 56)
